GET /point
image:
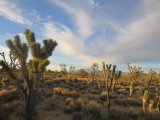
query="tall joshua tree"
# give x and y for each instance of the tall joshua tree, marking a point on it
(72, 71)
(109, 74)
(135, 72)
(63, 69)
(152, 76)
(94, 68)
(33, 70)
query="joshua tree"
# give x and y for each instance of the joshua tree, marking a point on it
(135, 72)
(94, 68)
(72, 71)
(33, 70)
(99, 83)
(131, 88)
(63, 69)
(83, 73)
(108, 75)
(152, 75)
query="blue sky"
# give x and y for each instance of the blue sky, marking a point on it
(87, 31)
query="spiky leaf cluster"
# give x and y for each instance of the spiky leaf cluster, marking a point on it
(40, 54)
(7, 69)
(108, 73)
(117, 75)
(37, 51)
(18, 49)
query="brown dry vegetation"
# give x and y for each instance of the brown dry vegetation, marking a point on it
(77, 99)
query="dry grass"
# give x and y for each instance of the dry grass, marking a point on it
(77, 100)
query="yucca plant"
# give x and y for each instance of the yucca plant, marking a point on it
(134, 72)
(151, 104)
(108, 75)
(135, 75)
(63, 68)
(94, 68)
(72, 71)
(99, 83)
(144, 100)
(152, 76)
(33, 70)
(131, 88)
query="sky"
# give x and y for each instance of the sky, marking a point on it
(88, 31)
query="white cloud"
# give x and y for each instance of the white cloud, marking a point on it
(11, 12)
(68, 43)
(140, 40)
(136, 41)
(80, 13)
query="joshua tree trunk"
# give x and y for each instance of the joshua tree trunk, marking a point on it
(30, 104)
(130, 91)
(113, 85)
(109, 76)
(144, 100)
(30, 96)
(144, 105)
(108, 101)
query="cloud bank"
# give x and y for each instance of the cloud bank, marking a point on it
(136, 41)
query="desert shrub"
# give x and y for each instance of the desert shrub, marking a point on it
(146, 116)
(79, 102)
(72, 93)
(14, 109)
(69, 109)
(3, 92)
(8, 95)
(12, 88)
(103, 96)
(65, 92)
(92, 108)
(123, 91)
(92, 97)
(48, 82)
(51, 103)
(96, 92)
(19, 112)
(69, 100)
(58, 90)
